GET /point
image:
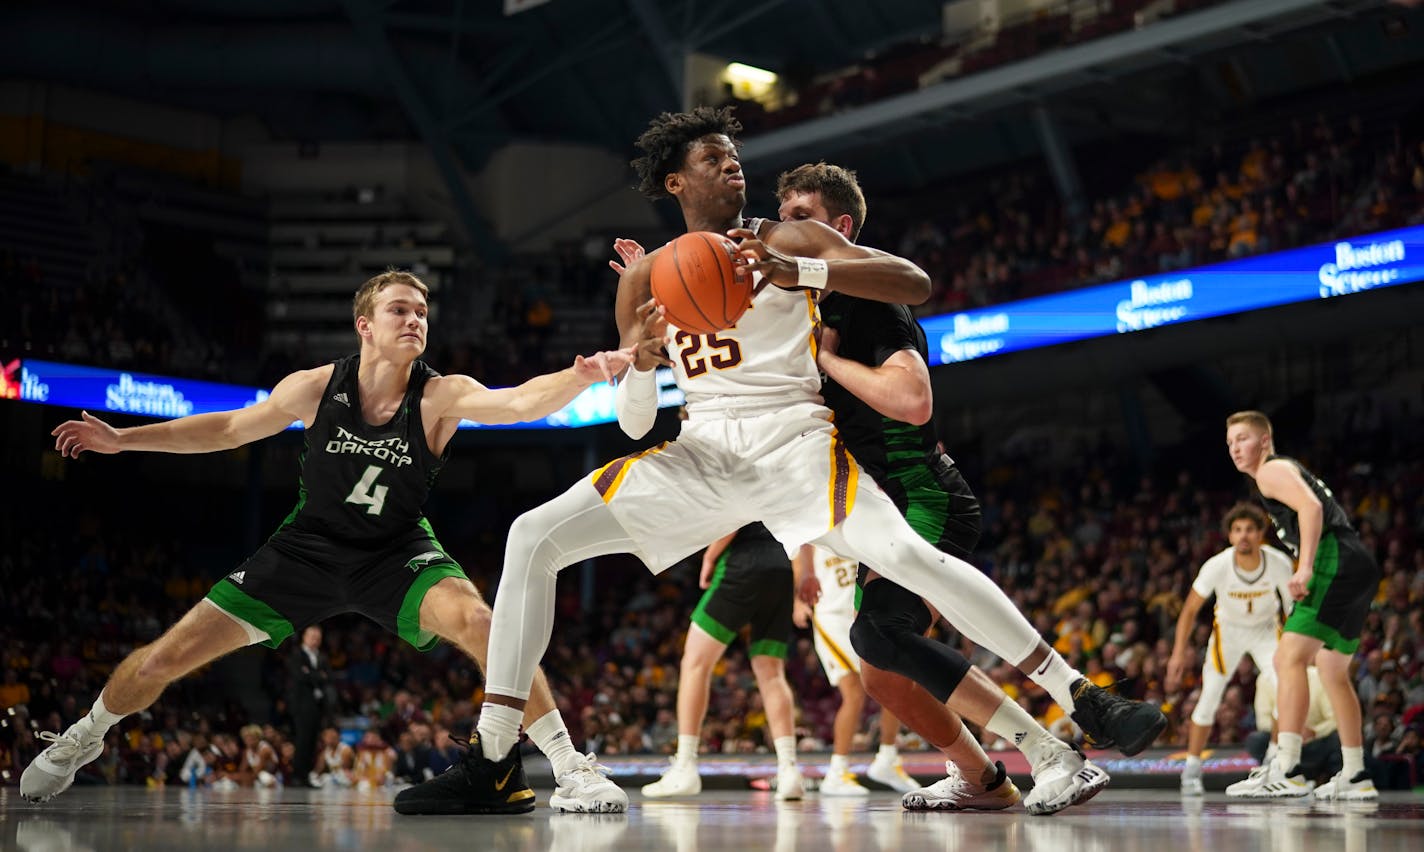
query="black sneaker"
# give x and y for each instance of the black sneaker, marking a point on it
(1113, 721)
(475, 785)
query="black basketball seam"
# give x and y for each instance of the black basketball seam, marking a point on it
(717, 252)
(687, 290)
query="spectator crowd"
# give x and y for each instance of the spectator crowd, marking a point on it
(1098, 559)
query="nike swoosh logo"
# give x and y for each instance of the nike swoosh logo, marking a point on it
(1045, 667)
(499, 785)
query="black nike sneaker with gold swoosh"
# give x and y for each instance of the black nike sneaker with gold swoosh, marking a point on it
(475, 785)
(1111, 721)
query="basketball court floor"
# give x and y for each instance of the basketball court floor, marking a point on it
(114, 818)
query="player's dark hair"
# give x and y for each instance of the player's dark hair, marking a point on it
(1245, 512)
(669, 136)
(839, 189)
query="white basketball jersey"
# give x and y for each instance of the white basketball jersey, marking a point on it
(837, 576)
(1246, 599)
(768, 356)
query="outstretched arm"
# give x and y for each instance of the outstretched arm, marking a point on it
(463, 397)
(294, 398)
(806, 253)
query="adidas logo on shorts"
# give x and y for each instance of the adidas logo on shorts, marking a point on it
(341, 398)
(237, 577)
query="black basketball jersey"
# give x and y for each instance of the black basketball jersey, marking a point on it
(871, 332)
(1287, 522)
(362, 483)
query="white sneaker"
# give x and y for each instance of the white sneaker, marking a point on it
(586, 789)
(1250, 786)
(227, 785)
(52, 770)
(789, 783)
(681, 779)
(842, 784)
(1192, 780)
(891, 772)
(1284, 784)
(1360, 788)
(1066, 778)
(954, 793)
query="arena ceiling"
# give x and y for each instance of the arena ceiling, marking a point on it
(467, 78)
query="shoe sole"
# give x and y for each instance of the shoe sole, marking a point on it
(921, 803)
(1084, 794)
(574, 806)
(1146, 738)
(899, 785)
(455, 809)
(680, 795)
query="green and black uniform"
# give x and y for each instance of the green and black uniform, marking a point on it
(752, 585)
(1345, 576)
(908, 462)
(356, 541)
(905, 460)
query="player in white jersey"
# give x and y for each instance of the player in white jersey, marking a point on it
(830, 618)
(1250, 582)
(758, 445)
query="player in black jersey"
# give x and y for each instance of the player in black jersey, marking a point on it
(379, 424)
(877, 382)
(1334, 582)
(747, 578)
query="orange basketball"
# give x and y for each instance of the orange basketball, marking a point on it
(694, 278)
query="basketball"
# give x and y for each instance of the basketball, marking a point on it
(695, 280)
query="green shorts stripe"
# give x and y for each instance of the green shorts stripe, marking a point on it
(408, 620)
(231, 599)
(1305, 618)
(767, 648)
(702, 618)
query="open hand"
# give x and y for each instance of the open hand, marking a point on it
(629, 250)
(73, 437)
(603, 366)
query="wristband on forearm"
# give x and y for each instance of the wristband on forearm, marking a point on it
(811, 272)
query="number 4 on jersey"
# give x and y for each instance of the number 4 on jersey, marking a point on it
(367, 493)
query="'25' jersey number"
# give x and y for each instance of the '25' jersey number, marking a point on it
(725, 352)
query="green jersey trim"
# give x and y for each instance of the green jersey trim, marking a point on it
(702, 618)
(232, 600)
(408, 619)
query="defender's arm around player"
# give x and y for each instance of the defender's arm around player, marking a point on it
(358, 523)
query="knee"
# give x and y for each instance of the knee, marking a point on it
(768, 670)
(161, 663)
(474, 623)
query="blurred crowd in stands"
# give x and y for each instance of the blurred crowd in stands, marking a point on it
(1098, 559)
(1009, 237)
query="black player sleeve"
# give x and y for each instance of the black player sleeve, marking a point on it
(892, 328)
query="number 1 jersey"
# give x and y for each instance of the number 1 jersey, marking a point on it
(360, 483)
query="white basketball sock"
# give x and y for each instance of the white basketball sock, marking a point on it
(97, 722)
(499, 729)
(552, 737)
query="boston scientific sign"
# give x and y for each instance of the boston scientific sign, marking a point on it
(1317, 272)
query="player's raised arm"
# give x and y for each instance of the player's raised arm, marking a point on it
(294, 398)
(809, 254)
(464, 398)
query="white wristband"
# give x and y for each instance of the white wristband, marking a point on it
(811, 272)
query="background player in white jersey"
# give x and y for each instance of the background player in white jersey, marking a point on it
(356, 541)
(1251, 585)
(758, 445)
(830, 613)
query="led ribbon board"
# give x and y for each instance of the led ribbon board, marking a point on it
(100, 389)
(1325, 271)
